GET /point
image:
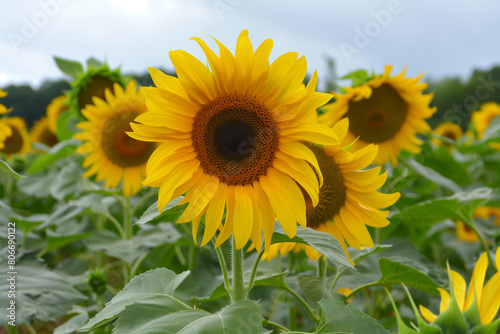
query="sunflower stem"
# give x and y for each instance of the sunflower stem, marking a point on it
(303, 302)
(279, 327)
(321, 267)
(255, 266)
(222, 262)
(239, 291)
(361, 287)
(471, 225)
(127, 219)
(337, 276)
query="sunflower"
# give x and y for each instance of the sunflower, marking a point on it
(112, 154)
(18, 140)
(55, 108)
(348, 198)
(42, 133)
(448, 130)
(485, 212)
(482, 118)
(486, 297)
(464, 233)
(387, 111)
(231, 138)
(93, 83)
(3, 109)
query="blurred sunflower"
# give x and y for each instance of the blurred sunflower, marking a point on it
(387, 111)
(485, 212)
(486, 297)
(18, 140)
(5, 130)
(3, 109)
(464, 233)
(348, 199)
(93, 83)
(448, 130)
(231, 138)
(112, 154)
(55, 108)
(42, 133)
(482, 118)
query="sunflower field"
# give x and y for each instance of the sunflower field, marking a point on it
(232, 196)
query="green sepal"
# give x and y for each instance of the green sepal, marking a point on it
(423, 327)
(69, 67)
(402, 327)
(491, 328)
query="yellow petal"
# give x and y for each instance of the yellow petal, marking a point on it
(214, 213)
(243, 213)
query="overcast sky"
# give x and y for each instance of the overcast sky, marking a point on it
(440, 38)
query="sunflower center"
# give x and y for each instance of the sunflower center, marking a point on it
(450, 135)
(118, 147)
(14, 142)
(332, 194)
(235, 138)
(379, 117)
(48, 138)
(95, 87)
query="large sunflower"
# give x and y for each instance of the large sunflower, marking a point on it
(18, 141)
(231, 138)
(55, 108)
(112, 154)
(42, 133)
(448, 130)
(348, 198)
(486, 297)
(482, 118)
(387, 111)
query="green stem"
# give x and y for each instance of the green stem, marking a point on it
(143, 200)
(321, 267)
(239, 291)
(127, 219)
(255, 266)
(361, 287)
(471, 225)
(12, 329)
(337, 276)
(222, 263)
(31, 329)
(274, 325)
(303, 302)
(137, 263)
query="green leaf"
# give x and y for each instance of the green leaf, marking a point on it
(69, 67)
(241, 317)
(58, 152)
(55, 241)
(315, 289)
(358, 77)
(339, 318)
(396, 273)
(66, 124)
(149, 236)
(72, 324)
(39, 293)
(159, 283)
(460, 206)
(5, 168)
(94, 63)
(324, 243)
(152, 215)
(433, 176)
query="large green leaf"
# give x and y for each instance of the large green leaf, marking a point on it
(324, 243)
(69, 67)
(339, 318)
(152, 215)
(39, 293)
(157, 283)
(460, 206)
(5, 168)
(59, 151)
(72, 324)
(396, 273)
(241, 317)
